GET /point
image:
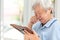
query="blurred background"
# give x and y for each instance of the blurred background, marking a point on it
(18, 12)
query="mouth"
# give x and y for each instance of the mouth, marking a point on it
(40, 19)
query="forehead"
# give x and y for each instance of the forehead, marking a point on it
(37, 8)
(37, 5)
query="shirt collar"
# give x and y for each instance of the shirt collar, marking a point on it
(50, 22)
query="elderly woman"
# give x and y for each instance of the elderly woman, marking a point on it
(46, 27)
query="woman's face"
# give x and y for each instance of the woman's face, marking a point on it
(40, 13)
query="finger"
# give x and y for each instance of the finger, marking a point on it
(26, 32)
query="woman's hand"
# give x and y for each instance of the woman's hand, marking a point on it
(29, 36)
(32, 20)
(26, 37)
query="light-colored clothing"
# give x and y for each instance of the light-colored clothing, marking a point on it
(50, 31)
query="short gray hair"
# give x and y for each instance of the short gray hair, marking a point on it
(45, 4)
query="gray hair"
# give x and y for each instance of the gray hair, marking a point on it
(44, 3)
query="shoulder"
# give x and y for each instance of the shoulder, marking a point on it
(56, 28)
(57, 25)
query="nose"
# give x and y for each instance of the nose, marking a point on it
(39, 17)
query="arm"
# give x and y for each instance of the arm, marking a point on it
(33, 20)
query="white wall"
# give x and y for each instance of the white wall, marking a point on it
(57, 9)
(27, 11)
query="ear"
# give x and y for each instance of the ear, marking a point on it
(49, 10)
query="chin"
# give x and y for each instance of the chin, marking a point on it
(42, 22)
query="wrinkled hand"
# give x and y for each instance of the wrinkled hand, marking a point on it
(29, 36)
(33, 19)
